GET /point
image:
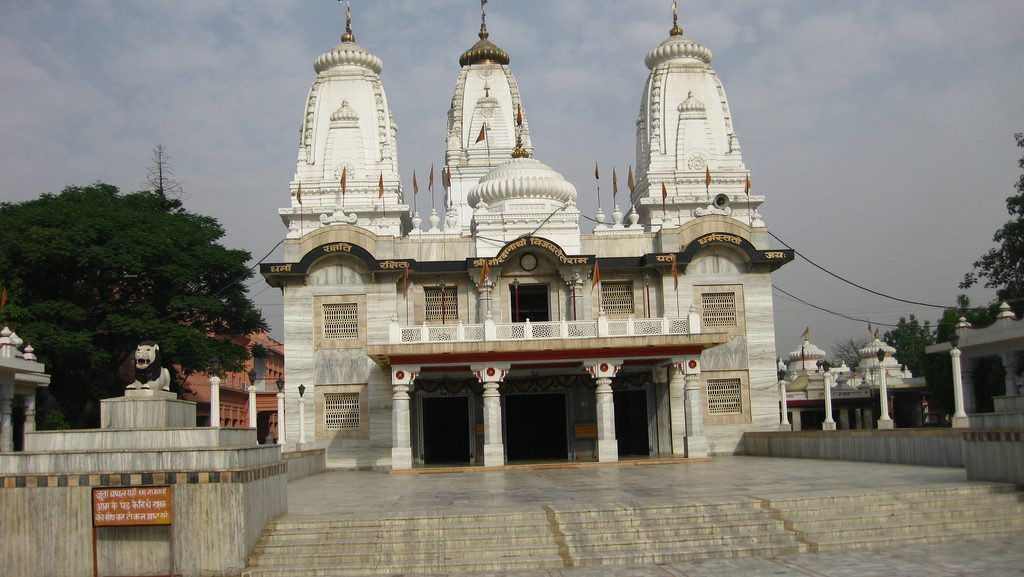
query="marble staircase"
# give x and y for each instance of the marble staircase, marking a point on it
(448, 543)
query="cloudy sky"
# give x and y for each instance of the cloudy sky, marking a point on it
(880, 131)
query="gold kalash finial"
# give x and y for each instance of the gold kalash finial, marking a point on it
(676, 30)
(348, 36)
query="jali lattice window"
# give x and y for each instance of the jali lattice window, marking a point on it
(341, 321)
(341, 411)
(719, 309)
(433, 309)
(617, 298)
(725, 396)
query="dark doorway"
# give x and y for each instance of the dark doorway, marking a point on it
(18, 427)
(446, 430)
(529, 301)
(535, 427)
(631, 429)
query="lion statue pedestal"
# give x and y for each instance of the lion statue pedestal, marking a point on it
(148, 402)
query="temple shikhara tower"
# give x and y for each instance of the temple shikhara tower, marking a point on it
(494, 330)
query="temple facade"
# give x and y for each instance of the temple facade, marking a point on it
(496, 330)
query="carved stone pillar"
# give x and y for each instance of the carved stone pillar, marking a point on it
(491, 376)
(402, 378)
(603, 371)
(6, 431)
(696, 443)
(677, 410)
(960, 418)
(1010, 364)
(30, 412)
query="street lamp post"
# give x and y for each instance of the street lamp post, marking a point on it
(252, 397)
(302, 415)
(884, 422)
(960, 420)
(215, 393)
(783, 402)
(826, 375)
(280, 411)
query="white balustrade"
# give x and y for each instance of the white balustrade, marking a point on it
(602, 327)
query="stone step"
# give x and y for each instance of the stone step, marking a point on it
(878, 541)
(451, 568)
(805, 520)
(668, 544)
(883, 496)
(811, 510)
(300, 534)
(866, 531)
(429, 546)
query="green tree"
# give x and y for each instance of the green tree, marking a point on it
(1003, 267)
(91, 273)
(938, 369)
(909, 338)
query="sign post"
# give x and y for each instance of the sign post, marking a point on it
(131, 507)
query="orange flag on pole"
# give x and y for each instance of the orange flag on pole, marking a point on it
(707, 179)
(415, 187)
(747, 188)
(482, 135)
(430, 181)
(664, 197)
(675, 273)
(380, 185)
(483, 274)
(298, 194)
(596, 277)
(344, 180)
(597, 171)
(615, 184)
(630, 182)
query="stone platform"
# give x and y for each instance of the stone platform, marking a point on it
(225, 488)
(536, 521)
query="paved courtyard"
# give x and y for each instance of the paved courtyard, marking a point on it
(360, 493)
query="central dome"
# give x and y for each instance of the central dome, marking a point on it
(522, 178)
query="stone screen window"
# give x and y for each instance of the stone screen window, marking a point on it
(719, 309)
(725, 396)
(433, 309)
(617, 298)
(341, 411)
(341, 321)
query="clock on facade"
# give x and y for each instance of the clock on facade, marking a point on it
(528, 262)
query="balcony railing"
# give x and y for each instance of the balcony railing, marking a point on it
(602, 327)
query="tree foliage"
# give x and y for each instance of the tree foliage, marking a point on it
(910, 338)
(91, 273)
(848, 350)
(1003, 267)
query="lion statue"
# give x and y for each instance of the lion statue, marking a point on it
(149, 372)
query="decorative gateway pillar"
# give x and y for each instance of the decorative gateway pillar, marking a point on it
(491, 376)
(696, 443)
(402, 378)
(604, 371)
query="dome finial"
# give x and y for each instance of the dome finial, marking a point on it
(348, 36)
(483, 20)
(676, 30)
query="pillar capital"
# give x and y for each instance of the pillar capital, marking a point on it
(688, 365)
(404, 375)
(602, 368)
(491, 372)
